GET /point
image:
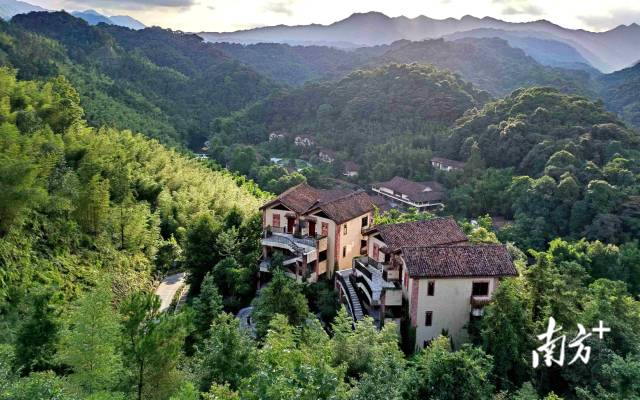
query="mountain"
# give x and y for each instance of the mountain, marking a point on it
(607, 51)
(550, 51)
(127, 21)
(94, 18)
(9, 8)
(170, 85)
(295, 65)
(621, 92)
(489, 63)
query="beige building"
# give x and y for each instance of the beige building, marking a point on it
(428, 269)
(315, 231)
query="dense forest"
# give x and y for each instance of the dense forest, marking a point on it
(167, 84)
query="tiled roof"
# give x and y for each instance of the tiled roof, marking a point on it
(434, 232)
(339, 204)
(458, 261)
(298, 198)
(347, 207)
(416, 191)
(448, 162)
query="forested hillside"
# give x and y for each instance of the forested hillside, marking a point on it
(489, 63)
(85, 207)
(367, 108)
(572, 160)
(295, 65)
(167, 84)
(621, 92)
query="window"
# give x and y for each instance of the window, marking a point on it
(276, 220)
(365, 221)
(376, 251)
(344, 251)
(325, 229)
(322, 256)
(480, 289)
(431, 288)
(344, 229)
(428, 318)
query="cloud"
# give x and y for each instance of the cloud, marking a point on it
(134, 4)
(519, 7)
(280, 7)
(613, 18)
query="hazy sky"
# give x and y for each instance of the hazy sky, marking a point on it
(229, 15)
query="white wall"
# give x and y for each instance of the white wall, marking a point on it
(451, 307)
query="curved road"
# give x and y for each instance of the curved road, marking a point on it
(168, 287)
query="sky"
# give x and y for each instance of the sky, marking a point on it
(231, 15)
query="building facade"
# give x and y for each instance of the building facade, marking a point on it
(427, 272)
(444, 164)
(314, 231)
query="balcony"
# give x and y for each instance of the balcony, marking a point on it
(297, 244)
(370, 278)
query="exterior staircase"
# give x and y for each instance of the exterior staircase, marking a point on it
(354, 306)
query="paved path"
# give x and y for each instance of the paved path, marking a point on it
(246, 323)
(168, 288)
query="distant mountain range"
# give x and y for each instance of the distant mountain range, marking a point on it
(607, 51)
(10, 8)
(94, 18)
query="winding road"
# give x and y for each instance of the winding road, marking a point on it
(168, 288)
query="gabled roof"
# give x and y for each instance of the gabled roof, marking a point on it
(458, 261)
(416, 191)
(347, 207)
(433, 232)
(339, 204)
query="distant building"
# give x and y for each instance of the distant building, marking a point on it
(444, 164)
(275, 136)
(429, 269)
(304, 141)
(316, 231)
(351, 169)
(327, 156)
(404, 193)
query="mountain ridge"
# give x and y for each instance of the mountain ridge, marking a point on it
(374, 28)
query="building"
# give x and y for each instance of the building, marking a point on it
(351, 169)
(275, 136)
(304, 141)
(327, 156)
(316, 231)
(444, 164)
(404, 193)
(427, 268)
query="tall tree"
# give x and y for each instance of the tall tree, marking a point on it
(152, 344)
(226, 356)
(452, 375)
(90, 340)
(282, 296)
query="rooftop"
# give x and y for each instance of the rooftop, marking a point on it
(416, 191)
(458, 261)
(339, 204)
(433, 232)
